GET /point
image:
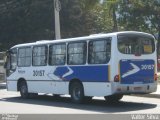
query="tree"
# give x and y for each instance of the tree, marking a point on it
(31, 20)
(77, 18)
(25, 21)
(112, 6)
(107, 16)
(140, 15)
(102, 19)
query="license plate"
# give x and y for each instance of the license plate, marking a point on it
(137, 88)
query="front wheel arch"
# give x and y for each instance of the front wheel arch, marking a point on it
(23, 82)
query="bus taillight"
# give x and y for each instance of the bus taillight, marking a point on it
(155, 77)
(117, 78)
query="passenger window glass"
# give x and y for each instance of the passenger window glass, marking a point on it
(99, 51)
(39, 55)
(24, 57)
(77, 53)
(57, 54)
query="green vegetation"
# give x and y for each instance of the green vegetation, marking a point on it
(24, 21)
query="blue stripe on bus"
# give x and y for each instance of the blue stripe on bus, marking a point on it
(85, 73)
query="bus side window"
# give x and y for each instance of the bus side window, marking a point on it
(24, 57)
(99, 51)
(77, 53)
(40, 55)
(57, 54)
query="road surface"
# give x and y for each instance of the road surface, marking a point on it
(11, 103)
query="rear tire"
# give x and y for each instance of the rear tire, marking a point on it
(77, 92)
(113, 98)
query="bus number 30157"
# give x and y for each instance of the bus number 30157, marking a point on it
(38, 72)
(147, 67)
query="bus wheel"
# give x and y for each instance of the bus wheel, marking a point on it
(77, 93)
(24, 90)
(113, 98)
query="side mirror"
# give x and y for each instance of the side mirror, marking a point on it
(6, 60)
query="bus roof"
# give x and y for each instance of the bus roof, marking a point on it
(90, 37)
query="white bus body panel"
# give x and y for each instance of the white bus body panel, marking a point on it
(97, 89)
(48, 87)
(44, 84)
(12, 85)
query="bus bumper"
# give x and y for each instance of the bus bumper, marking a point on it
(134, 88)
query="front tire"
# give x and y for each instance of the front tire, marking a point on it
(24, 90)
(77, 92)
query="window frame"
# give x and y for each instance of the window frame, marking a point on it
(84, 53)
(25, 56)
(89, 52)
(50, 55)
(46, 54)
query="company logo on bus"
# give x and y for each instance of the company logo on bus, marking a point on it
(135, 67)
(131, 72)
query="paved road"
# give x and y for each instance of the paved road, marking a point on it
(10, 102)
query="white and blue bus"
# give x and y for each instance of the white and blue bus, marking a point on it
(109, 65)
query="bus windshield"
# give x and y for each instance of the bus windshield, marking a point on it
(136, 44)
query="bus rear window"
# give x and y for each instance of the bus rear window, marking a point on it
(136, 44)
